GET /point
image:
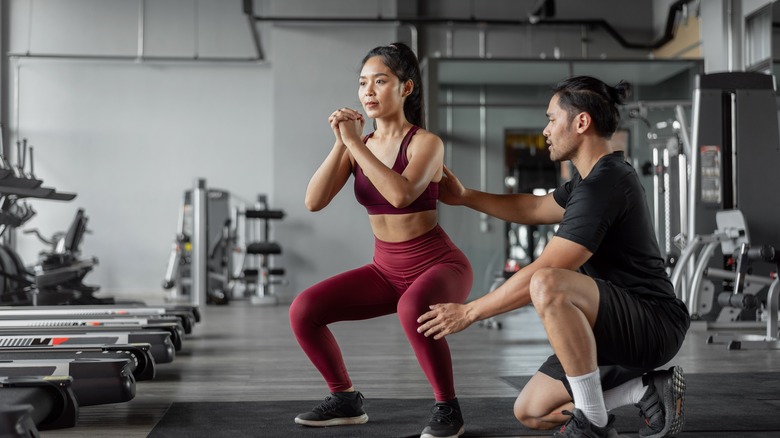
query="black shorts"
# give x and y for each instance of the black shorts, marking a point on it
(634, 334)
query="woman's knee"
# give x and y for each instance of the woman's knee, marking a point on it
(303, 309)
(298, 310)
(409, 309)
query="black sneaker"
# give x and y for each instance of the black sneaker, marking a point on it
(338, 409)
(446, 421)
(578, 426)
(662, 405)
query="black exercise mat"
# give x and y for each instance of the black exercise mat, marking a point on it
(391, 418)
(741, 405)
(733, 403)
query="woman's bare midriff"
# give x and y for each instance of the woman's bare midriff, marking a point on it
(402, 227)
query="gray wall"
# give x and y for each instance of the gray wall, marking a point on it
(316, 70)
(129, 136)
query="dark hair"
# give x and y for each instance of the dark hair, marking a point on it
(399, 58)
(590, 95)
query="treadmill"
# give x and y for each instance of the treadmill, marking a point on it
(142, 363)
(90, 326)
(29, 404)
(187, 315)
(162, 349)
(95, 381)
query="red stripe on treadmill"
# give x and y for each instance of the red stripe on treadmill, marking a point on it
(58, 341)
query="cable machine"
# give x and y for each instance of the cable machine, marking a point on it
(732, 202)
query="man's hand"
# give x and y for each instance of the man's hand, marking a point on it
(451, 191)
(443, 319)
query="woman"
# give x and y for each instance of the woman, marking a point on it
(397, 169)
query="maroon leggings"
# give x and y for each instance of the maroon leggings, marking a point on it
(405, 278)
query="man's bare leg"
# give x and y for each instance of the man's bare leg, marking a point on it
(568, 304)
(541, 402)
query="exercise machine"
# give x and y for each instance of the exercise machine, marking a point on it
(220, 241)
(258, 276)
(17, 184)
(187, 316)
(95, 381)
(735, 150)
(59, 273)
(67, 326)
(670, 147)
(29, 404)
(226, 232)
(740, 291)
(56, 358)
(139, 356)
(162, 349)
(769, 312)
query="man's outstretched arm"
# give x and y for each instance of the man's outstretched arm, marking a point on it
(521, 208)
(446, 318)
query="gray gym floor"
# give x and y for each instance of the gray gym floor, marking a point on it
(242, 353)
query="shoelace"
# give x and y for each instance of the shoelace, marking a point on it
(563, 432)
(441, 413)
(330, 403)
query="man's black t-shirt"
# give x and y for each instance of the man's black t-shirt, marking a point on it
(607, 213)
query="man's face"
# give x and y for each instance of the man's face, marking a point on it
(560, 132)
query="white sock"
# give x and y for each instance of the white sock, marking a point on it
(588, 398)
(626, 394)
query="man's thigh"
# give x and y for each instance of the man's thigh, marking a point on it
(634, 331)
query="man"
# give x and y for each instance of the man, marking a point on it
(600, 285)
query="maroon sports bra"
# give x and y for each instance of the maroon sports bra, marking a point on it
(368, 196)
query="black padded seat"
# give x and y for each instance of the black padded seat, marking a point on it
(264, 214)
(263, 248)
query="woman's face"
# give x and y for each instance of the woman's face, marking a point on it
(380, 91)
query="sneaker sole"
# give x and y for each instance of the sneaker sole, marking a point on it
(334, 421)
(673, 399)
(460, 432)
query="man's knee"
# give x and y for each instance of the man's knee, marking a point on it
(544, 287)
(527, 418)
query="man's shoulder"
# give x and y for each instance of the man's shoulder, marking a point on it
(611, 172)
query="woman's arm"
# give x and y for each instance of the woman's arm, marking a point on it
(334, 172)
(426, 157)
(329, 178)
